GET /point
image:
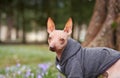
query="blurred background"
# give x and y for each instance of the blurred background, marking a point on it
(24, 21)
(24, 50)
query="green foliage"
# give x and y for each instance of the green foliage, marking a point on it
(114, 25)
(82, 10)
(40, 10)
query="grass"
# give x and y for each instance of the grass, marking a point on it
(27, 61)
(24, 54)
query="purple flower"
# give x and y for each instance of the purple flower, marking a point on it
(28, 72)
(39, 76)
(18, 65)
(19, 72)
(2, 76)
(44, 67)
(59, 76)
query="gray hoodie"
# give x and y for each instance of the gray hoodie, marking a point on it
(79, 62)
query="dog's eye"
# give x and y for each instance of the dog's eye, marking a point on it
(62, 40)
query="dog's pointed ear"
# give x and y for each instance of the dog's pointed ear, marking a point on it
(68, 26)
(50, 25)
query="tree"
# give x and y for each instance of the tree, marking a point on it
(20, 13)
(118, 33)
(104, 26)
(81, 10)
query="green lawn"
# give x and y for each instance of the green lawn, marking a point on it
(27, 61)
(25, 54)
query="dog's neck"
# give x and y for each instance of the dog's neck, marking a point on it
(59, 53)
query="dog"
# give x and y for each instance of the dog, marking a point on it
(74, 61)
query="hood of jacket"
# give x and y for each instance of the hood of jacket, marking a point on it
(71, 49)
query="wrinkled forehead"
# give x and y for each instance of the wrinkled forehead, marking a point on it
(58, 33)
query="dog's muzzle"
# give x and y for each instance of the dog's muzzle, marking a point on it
(52, 49)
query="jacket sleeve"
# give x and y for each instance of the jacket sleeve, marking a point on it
(74, 70)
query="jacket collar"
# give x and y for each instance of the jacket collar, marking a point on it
(71, 49)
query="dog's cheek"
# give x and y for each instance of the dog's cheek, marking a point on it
(59, 46)
(63, 44)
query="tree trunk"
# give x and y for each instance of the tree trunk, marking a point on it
(0, 26)
(118, 27)
(24, 29)
(96, 21)
(118, 34)
(104, 35)
(9, 24)
(17, 25)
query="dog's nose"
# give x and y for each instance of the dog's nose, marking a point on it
(52, 48)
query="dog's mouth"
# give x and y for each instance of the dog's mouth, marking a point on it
(52, 49)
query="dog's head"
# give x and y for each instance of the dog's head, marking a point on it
(57, 39)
